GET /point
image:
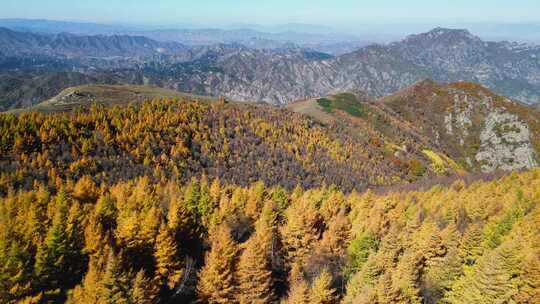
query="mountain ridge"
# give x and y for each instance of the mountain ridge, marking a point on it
(71, 45)
(467, 123)
(448, 127)
(280, 76)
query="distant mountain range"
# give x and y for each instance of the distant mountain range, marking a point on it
(70, 45)
(276, 75)
(442, 54)
(253, 36)
(55, 27)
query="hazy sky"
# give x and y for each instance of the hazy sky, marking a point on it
(339, 13)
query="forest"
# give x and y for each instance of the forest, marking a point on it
(176, 139)
(173, 202)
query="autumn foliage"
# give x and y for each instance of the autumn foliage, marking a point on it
(152, 236)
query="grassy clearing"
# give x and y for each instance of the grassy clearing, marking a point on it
(345, 102)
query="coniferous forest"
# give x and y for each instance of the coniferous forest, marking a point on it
(188, 202)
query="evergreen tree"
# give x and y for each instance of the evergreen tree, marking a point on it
(494, 278)
(192, 195)
(106, 212)
(215, 191)
(216, 280)
(96, 237)
(181, 220)
(89, 291)
(329, 252)
(301, 231)
(529, 290)
(321, 289)
(266, 226)
(471, 245)
(254, 268)
(336, 238)
(299, 293)
(115, 285)
(168, 267)
(440, 276)
(254, 274)
(85, 190)
(361, 287)
(139, 215)
(143, 290)
(332, 206)
(359, 250)
(15, 272)
(206, 204)
(406, 278)
(255, 200)
(53, 256)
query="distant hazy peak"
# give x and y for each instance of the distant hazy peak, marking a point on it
(443, 33)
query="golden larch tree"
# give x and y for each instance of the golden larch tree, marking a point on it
(216, 279)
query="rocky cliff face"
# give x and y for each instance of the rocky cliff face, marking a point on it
(478, 128)
(457, 126)
(505, 143)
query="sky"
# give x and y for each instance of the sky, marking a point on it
(336, 13)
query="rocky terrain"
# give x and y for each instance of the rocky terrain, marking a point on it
(442, 54)
(471, 124)
(457, 126)
(282, 75)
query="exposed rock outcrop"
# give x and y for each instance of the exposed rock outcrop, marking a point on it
(505, 143)
(472, 125)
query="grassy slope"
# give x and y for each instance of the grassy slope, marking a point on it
(346, 102)
(74, 97)
(383, 132)
(311, 108)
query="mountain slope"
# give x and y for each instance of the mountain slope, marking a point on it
(238, 143)
(472, 124)
(382, 130)
(283, 75)
(468, 126)
(510, 69)
(22, 90)
(442, 54)
(91, 235)
(109, 95)
(428, 129)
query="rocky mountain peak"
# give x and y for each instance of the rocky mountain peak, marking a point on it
(441, 34)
